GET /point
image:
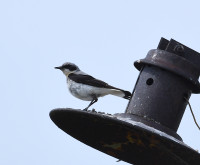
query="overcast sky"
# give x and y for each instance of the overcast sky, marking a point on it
(103, 38)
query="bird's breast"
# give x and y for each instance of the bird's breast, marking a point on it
(85, 92)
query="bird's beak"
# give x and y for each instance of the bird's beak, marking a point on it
(58, 67)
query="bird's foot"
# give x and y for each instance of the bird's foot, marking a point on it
(85, 109)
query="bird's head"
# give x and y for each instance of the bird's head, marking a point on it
(68, 68)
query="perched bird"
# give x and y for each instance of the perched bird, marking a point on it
(86, 87)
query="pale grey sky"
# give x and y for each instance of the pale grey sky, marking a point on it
(103, 38)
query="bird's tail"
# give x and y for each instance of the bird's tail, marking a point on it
(127, 95)
(121, 93)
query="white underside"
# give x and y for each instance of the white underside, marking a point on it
(88, 93)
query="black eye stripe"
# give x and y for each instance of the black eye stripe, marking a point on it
(70, 67)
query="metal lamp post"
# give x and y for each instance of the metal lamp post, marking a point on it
(146, 133)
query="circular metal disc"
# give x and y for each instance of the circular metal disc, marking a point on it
(130, 141)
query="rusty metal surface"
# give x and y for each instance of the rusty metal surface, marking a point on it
(176, 58)
(173, 63)
(125, 141)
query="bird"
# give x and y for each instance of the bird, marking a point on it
(87, 88)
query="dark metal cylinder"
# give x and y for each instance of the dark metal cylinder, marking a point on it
(159, 96)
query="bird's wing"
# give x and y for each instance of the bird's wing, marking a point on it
(88, 80)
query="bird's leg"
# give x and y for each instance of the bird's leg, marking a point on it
(92, 102)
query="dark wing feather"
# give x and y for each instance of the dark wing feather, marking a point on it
(88, 80)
